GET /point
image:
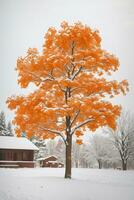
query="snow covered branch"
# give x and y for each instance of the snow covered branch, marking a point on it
(80, 125)
(75, 117)
(55, 132)
(76, 73)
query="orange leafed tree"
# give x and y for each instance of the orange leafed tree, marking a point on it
(71, 87)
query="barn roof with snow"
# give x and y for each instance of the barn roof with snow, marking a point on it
(51, 156)
(8, 142)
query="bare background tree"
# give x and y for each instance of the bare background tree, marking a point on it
(123, 137)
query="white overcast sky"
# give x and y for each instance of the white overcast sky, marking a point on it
(24, 22)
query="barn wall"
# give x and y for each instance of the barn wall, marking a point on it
(51, 162)
(16, 155)
(16, 158)
(16, 164)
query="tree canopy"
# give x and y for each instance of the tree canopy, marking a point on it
(71, 86)
(69, 79)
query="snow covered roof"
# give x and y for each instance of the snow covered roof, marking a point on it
(8, 142)
(47, 157)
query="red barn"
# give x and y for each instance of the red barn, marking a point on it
(16, 152)
(50, 161)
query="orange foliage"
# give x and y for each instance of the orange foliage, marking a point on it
(70, 85)
(78, 133)
(79, 141)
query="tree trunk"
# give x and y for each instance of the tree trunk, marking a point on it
(124, 165)
(100, 164)
(68, 157)
(76, 164)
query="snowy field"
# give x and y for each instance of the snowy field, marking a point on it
(49, 184)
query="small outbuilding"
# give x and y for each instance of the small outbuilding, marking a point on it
(16, 152)
(50, 161)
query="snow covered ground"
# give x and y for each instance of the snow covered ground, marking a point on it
(49, 184)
